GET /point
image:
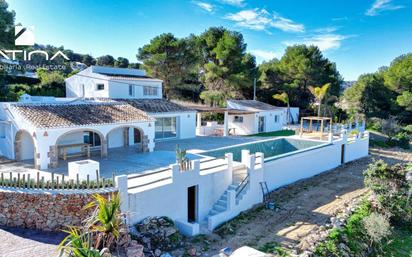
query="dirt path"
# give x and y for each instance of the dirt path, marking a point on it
(304, 206)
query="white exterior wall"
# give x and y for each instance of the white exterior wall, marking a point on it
(170, 198)
(112, 88)
(120, 89)
(74, 85)
(171, 194)
(115, 138)
(185, 123)
(27, 151)
(356, 149)
(302, 165)
(247, 127)
(270, 124)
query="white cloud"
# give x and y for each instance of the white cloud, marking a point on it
(382, 5)
(205, 6)
(286, 24)
(264, 55)
(325, 42)
(234, 2)
(260, 19)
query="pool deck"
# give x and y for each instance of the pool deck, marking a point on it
(129, 161)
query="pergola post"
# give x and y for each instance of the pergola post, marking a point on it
(226, 124)
(199, 120)
(321, 129)
(301, 127)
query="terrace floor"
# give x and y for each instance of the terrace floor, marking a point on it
(128, 160)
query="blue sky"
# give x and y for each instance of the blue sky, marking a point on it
(359, 35)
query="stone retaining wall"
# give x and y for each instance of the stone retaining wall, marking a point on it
(45, 210)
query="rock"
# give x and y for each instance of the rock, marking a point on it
(135, 250)
(192, 252)
(157, 233)
(157, 252)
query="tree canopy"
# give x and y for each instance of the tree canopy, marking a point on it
(300, 67)
(383, 93)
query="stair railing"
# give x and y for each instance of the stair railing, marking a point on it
(242, 185)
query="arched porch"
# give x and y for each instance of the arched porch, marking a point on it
(25, 147)
(127, 136)
(78, 143)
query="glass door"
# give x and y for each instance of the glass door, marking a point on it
(261, 125)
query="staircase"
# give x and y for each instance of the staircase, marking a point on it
(240, 186)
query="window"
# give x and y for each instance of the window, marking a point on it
(99, 86)
(149, 91)
(238, 119)
(131, 90)
(2, 131)
(165, 127)
(276, 118)
(91, 138)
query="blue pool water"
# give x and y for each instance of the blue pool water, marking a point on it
(270, 148)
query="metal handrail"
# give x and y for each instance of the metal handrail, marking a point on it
(242, 185)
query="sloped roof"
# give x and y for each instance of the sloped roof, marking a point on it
(79, 114)
(255, 105)
(155, 105)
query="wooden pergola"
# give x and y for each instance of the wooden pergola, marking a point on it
(311, 119)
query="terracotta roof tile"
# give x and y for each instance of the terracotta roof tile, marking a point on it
(69, 115)
(150, 105)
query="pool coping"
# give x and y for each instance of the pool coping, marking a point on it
(272, 139)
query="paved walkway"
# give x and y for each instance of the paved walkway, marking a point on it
(15, 242)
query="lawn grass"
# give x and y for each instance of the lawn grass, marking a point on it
(400, 243)
(280, 133)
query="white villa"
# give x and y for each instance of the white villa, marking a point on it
(108, 108)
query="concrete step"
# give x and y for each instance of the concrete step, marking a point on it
(222, 202)
(219, 208)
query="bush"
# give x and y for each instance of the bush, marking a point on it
(391, 189)
(403, 140)
(374, 124)
(377, 227)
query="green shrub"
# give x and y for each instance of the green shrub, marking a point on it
(403, 140)
(377, 228)
(391, 189)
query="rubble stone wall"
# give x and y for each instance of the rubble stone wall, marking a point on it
(45, 210)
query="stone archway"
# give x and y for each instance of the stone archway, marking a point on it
(128, 138)
(25, 147)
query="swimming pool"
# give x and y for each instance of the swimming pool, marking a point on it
(271, 148)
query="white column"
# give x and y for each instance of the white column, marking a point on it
(121, 185)
(229, 159)
(226, 124)
(199, 120)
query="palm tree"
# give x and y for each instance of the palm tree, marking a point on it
(106, 220)
(284, 97)
(79, 244)
(319, 93)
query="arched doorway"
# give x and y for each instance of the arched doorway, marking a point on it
(77, 143)
(125, 136)
(24, 147)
